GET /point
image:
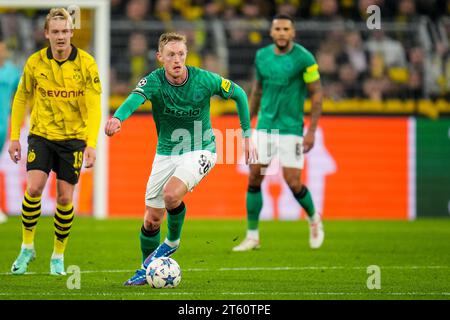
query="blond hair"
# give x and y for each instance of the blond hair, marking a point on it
(58, 14)
(167, 37)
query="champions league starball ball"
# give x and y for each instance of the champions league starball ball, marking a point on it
(163, 273)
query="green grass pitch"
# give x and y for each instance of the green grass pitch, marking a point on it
(414, 261)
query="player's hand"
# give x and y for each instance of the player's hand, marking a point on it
(15, 151)
(250, 152)
(308, 141)
(89, 157)
(112, 127)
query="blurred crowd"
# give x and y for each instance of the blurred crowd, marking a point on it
(354, 62)
(166, 10)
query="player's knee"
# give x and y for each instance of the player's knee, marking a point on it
(255, 179)
(152, 223)
(295, 185)
(64, 200)
(171, 198)
(34, 191)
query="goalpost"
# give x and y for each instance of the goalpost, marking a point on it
(101, 47)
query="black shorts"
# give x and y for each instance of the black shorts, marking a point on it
(64, 157)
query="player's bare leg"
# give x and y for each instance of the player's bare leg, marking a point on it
(301, 193)
(150, 235)
(254, 205)
(149, 239)
(173, 194)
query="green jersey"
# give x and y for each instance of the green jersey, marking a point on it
(283, 78)
(182, 112)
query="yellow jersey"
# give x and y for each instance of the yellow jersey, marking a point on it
(64, 97)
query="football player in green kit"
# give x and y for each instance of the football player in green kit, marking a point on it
(285, 73)
(186, 152)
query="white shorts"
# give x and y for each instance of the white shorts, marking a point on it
(287, 147)
(190, 167)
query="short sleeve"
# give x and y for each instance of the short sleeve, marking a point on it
(146, 87)
(221, 86)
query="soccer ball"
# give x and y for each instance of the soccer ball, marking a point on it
(163, 273)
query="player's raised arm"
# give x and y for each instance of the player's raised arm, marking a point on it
(126, 109)
(230, 90)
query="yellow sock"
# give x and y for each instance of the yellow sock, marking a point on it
(62, 222)
(31, 211)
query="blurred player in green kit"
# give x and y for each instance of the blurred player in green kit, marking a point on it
(285, 73)
(186, 151)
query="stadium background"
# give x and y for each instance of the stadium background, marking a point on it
(383, 146)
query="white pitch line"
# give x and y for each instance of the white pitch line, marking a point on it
(175, 293)
(258, 269)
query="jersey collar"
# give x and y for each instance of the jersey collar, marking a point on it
(72, 55)
(282, 54)
(181, 84)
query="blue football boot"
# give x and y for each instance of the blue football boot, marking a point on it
(163, 250)
(139, 279)
(57, 267)
(21, 264)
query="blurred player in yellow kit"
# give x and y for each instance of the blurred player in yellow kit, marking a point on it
(63, 86)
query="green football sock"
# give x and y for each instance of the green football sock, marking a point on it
(254, 206)
(149, 241)
(175, 220)
(306, 201)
